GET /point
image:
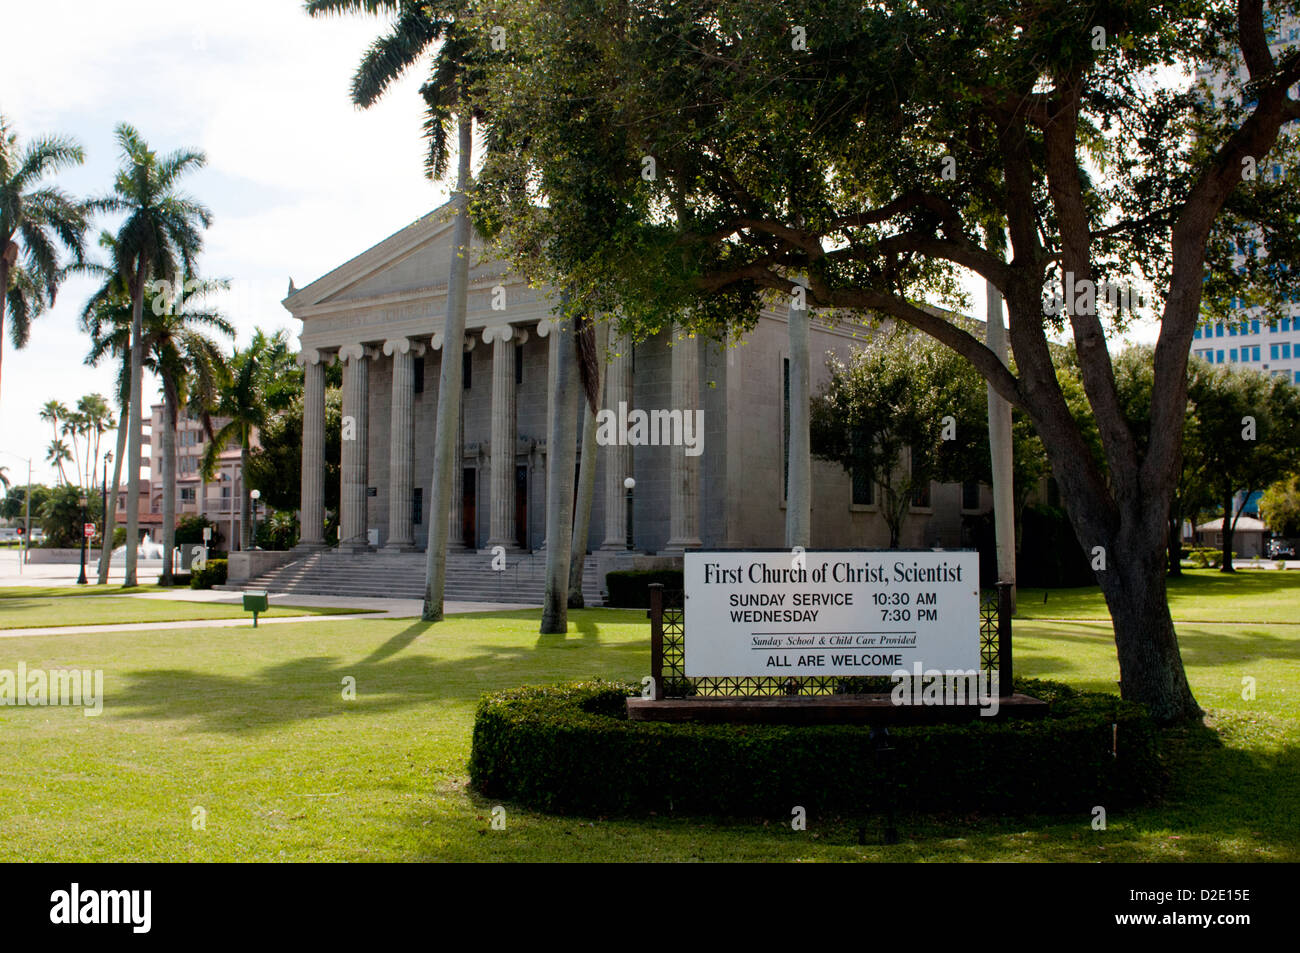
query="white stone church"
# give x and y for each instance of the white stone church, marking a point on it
(381, 315)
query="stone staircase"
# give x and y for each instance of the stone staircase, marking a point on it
(470, 577)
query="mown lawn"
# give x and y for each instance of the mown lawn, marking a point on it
(252, 727)
(41, 612)
(1199, 595)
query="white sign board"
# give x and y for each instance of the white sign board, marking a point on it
(831, 613)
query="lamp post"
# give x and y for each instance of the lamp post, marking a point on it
(84, 500)
(255, 495)
(629, 484)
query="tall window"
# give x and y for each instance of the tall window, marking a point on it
(466, 370)
(785, 428)
(417, 505)
(519, 364)
(970, 495)
(418, 378)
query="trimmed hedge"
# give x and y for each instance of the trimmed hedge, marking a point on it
(569, 749)
(212, 574)
(630, 588)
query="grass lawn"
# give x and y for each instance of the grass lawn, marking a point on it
(251, 726)
(40, 612)
(1199, 595)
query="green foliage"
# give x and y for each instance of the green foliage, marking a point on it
(212, 574)
(908, 411)
(14, 504)
(567, 749)
(630, 588)
(36, 219)
(1279, 506)
(62, 516)
(275, 466)
(189, 529)
(278, 531)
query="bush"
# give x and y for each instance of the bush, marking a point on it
(629, 588)
(570, 749)
(189, 529)
(212, 574)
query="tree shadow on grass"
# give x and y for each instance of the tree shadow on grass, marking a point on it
(303, 689)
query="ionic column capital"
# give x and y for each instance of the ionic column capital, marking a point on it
(403, 346)
(355, 352)
(504, 332)
(309, 355)
(439, 338)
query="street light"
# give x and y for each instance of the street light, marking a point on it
(629, 484)
(85, 501)
(255, 495)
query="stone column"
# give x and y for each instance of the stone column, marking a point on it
(618, 456)
(401, 445)
(550, 329)
(684, 476)
(352, 496)
(455, 526)
(312, 518)
(503, 339)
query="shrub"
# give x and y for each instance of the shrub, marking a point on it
(212, 574)
(570, 749)
(189, 529)
(630, 588)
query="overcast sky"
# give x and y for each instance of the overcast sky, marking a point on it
(298, 180)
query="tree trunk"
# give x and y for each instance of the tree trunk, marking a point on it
(798, 497)
(562, 448)
(169, 479)
(110, 518)
(449, 382)
(1228, 524)
(135, 424)
(586, 479)
(8, 255)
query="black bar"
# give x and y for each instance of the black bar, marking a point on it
(1006, 674)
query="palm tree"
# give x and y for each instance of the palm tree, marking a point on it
(4, 478)
(187, 360)
(34, 218)
(160, 235)
(416, 28)
(107, 319)
(261, 381)
(53, 412)
(58, 454)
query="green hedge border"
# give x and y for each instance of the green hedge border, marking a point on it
(569, 749)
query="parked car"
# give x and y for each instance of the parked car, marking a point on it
(1279, 548)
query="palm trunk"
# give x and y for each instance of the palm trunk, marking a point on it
(586, 479)
(110, 519)
(135, 424)
(562, 450)
(8, 255)
(169, 479)
(449, 383)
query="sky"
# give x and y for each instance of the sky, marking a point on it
(298, 179)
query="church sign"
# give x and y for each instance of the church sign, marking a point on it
(831, 613)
